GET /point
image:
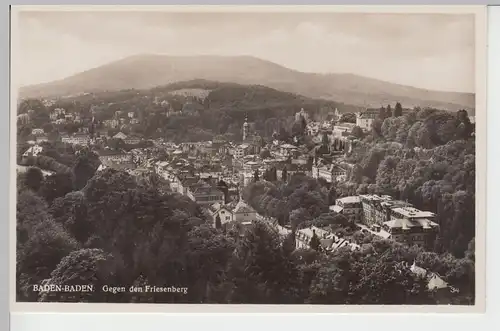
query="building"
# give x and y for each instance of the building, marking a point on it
(23, 119)
(434, 281)
(412, 226)
(42, 138)
(113, 123)
(223, 211)
(330, 173)
(341, 130)
(303, 237)
(34, 150)
(364, 120)
(131, 140)
(350, 207)
(184, 183)
(244, 213)
(241, 151)
(57, 113)
(120, 135)
(205, 195)
(37, 131)
(114, 156)
(76, 139)
(287, 149)
(376, 209)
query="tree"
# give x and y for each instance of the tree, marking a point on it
(348, 118)
(357, 132)
(332, 195)
(284, 174)
(218, 223)
(256, 176)
(377, 128)
(382, 113)
(325, 142)
(84, 168)
(46, 247)
(89, 267)
(56, 185)
(398, 110)
(265, 154)
(315, 243)
(261, 271)
(33, 178)
(388, 111)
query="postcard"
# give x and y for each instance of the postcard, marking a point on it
(248, 158)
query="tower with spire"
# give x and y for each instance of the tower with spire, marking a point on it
(245, 128)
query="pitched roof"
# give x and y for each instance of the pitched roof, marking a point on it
(242, 207)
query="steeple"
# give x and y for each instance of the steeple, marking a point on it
(245, 128)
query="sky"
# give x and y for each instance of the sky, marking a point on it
(432, 51)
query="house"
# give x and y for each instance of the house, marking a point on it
(412, 226)
(364, 120)
(330, 173)
(376, 209)
(434, 282)
(41, 138)
(244, 213)
(184, 183)
(120, 135)
(350, 207)
(342, 129)
(132, 140)
(224, 212)
(114, 156)
(303, 237)
(76, 139)
(287, 149)
(57, 113)
(241, 150)
(205, 195)
(37, 131)
(33, 151)
(111, 123)
(124, 166)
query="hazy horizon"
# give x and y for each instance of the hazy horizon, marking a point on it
(430, 51)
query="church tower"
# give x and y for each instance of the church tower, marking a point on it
(245, 129)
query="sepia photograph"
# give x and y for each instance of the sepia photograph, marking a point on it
(246, 157)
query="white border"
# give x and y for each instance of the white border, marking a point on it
(479, 11)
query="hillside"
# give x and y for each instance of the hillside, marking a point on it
(198, 110)
(147, 71)
(213, 96)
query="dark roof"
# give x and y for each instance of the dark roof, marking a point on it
(109, 152)
(206, 190)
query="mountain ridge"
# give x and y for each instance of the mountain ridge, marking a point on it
(145, 71)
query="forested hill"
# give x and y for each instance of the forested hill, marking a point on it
(147, 71)
(196, 110)
(212, 95)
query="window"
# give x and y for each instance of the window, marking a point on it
(228, 218)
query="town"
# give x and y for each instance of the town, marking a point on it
(222, 175)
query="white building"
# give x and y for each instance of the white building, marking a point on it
(33, 151)
(76, 139)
